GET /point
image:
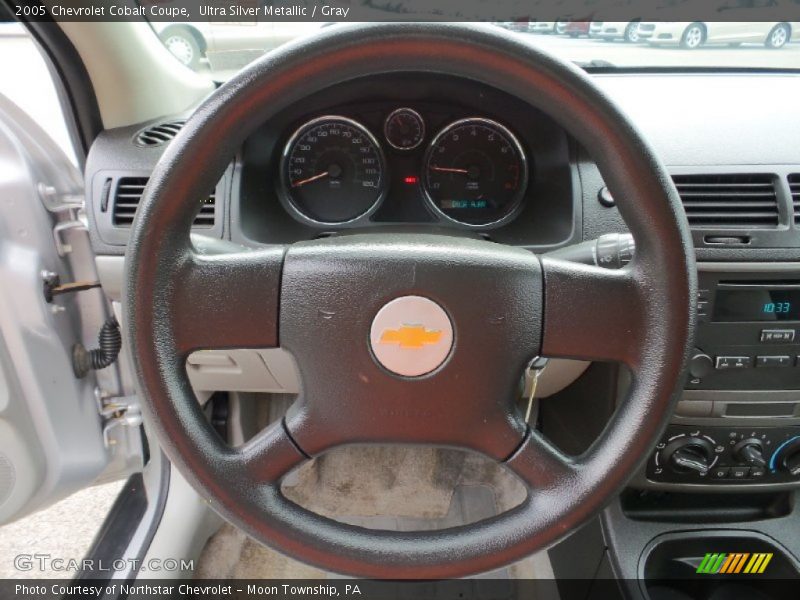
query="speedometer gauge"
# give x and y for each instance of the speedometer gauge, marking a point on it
(332, 171)
(475, 173)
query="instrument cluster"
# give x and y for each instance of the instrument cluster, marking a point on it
(337, 171)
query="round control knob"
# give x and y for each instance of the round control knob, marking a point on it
(689, 454)
(750, 451)
(787, 457)
(792, 464)
(700, 364)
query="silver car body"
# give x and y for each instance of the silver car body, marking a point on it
(218, 39)
(608, 30)
(715, 32)
(543, 27)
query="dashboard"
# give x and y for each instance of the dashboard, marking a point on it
(410, 151)
(433, 153)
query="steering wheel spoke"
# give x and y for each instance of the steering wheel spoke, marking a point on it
(270, 454)
(591, 312)
(227, 300)
(540, 464)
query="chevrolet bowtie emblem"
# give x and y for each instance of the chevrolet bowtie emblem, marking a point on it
(411, 336)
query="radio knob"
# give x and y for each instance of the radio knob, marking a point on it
(750, 451)
(700, 364)
(689, 454)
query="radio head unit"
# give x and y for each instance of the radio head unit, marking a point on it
(748, 333)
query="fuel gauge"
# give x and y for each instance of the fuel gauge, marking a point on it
(404, 129)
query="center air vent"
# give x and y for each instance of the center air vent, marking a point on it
(128, 193)
(735, 201)
(157, 135)
(794, 185)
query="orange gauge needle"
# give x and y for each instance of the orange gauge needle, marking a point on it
(310, 179)
(449, 170)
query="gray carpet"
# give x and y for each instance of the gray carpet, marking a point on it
(389, 488)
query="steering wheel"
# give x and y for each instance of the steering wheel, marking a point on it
(486, 311)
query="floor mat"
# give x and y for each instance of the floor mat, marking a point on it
(390, 488)
(231, 553)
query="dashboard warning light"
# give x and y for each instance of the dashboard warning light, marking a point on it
(411, 179)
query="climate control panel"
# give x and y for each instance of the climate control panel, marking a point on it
(726, 455)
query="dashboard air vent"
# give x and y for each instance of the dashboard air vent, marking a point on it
(157, 135)
(129, 192)
(729, 201)
(794, 186)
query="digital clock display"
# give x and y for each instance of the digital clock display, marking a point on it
(757, 304)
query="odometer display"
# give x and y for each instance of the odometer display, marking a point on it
(333, 171)
(475, 172)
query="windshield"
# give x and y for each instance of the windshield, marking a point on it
(220, 49)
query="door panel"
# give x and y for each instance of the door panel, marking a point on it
(51, 432)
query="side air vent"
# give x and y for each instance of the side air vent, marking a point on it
(794, 186)
(731, 201)
(157, 135)
(129, 192)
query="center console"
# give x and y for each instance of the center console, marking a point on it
(723, 477)
(738, 421)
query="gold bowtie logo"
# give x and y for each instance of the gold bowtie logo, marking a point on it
(411, 336)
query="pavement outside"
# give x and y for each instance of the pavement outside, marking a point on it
(65, 530)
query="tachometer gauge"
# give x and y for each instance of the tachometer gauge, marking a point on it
(404, 129)
(475, 173)
(332, 171)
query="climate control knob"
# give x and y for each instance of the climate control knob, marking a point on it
(750, 451)
(689, 454)
(787, 457)
(792, 464)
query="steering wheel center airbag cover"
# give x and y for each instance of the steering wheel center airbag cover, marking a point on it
(332, 290)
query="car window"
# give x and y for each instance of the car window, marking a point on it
(220, 49)
(27, 82)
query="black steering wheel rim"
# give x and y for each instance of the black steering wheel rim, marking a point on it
(648, 305)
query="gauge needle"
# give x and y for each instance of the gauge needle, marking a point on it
(449, 170)
(310, 179)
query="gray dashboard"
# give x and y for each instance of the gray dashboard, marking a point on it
(700, 123)
(250, 201)
(722, 135)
